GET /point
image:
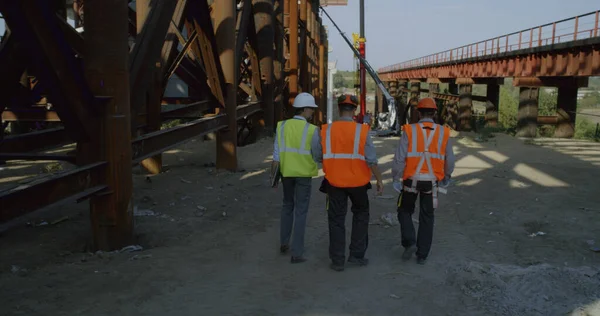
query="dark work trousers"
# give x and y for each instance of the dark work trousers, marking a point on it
(406, 207)
(337, 207)
(296, 199)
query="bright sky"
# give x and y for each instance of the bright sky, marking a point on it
(398, 30)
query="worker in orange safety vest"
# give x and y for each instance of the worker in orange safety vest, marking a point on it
(423, 165)
(349, 159)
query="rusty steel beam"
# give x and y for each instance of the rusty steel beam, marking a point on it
(17, 202)
(242, 34)
(37, 156)
(107, 72)
(34, 141)
(263, 22)
(154, 143)
(35, 24)
(13, 64)
(71, 35)
(29, 115)
(152, 25)
(224, 20)
(157, 142)
(547, 120)
(293, 51)
(169, 49)
(192, 110)
(207, 42)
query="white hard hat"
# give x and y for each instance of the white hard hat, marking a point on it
(304, 100)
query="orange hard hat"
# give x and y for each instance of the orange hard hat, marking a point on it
(348, 99)
(427, 104)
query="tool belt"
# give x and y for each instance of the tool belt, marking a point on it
(435, 188)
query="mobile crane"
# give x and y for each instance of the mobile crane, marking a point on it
(387, 122)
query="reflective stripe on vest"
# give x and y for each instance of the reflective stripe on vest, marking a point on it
(420, 155)
(301, 151)
(294, 142)
(354, 155)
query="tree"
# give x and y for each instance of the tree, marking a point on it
(338, 80)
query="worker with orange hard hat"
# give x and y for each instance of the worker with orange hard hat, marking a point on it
(349, 161)
(422, 166)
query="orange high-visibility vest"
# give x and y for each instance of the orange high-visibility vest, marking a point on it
(426, 151)
(344, 154)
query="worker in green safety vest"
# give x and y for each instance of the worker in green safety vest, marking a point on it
(297, 142)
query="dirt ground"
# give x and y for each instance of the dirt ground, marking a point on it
(515, 236)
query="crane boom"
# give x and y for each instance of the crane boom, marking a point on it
(390, 100)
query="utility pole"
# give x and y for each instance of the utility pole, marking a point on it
(362, 50)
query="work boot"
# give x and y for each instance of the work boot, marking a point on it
(298, 259)
(284, 248)
(421, 260)
(359, 261)
(337, 267)
(409, 252)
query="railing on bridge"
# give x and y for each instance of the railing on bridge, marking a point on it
(576, 28)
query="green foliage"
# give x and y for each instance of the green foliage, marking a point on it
(170, 124)
(589, 100)
(584, 129)
(507, 116)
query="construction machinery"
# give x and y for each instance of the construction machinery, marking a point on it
(387, 122)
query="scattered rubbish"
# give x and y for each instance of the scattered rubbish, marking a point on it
(591, 242)
(185, 181)
(146, 199)
(490, 241)
(132, 248)
(185, 197)
(394, 296)
(16, 270)
(200, 211)
(62, 219)
(138, 257)
(172, 204)
(224, 214)
(388, 219)
(491, 213)
(209, 188)
(37, 224)
(385, 197)
(137, 212)
(537, 234)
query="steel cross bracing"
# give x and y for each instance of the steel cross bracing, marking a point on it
(107, 93)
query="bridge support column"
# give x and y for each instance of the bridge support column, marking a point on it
(465, 104)
(434, 88)
(401, 100)
(415, 92)
(528, 112)
(106, 69)
(567, 105)
(491, 106)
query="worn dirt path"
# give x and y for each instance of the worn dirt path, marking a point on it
(513, 237)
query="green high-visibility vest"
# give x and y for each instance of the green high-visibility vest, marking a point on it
(294, 138)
